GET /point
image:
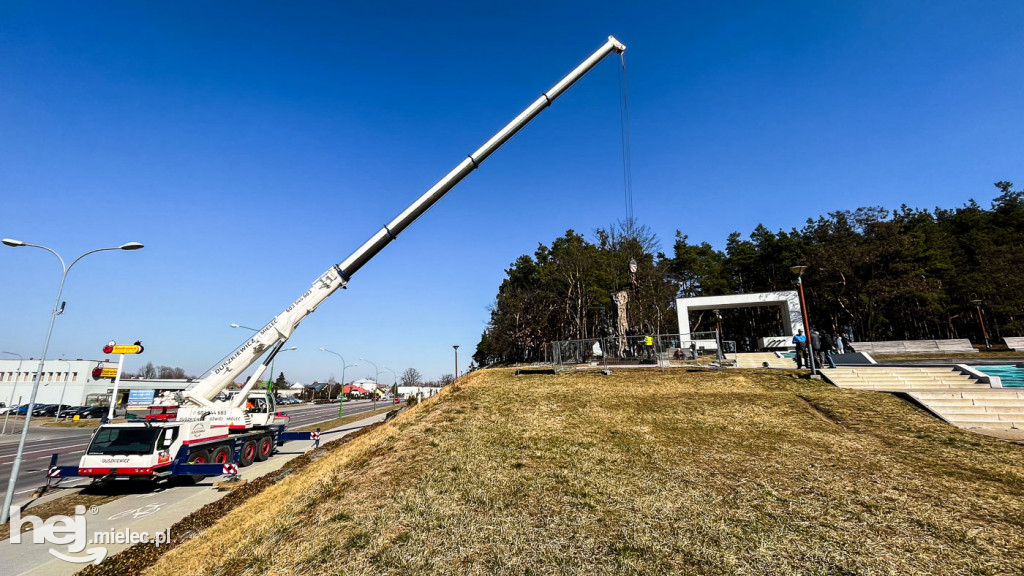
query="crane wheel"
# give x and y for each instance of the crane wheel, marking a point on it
(264, 448)
(248, 453)
(221, 455)
(200, 457)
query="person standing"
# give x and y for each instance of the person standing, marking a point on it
(827, 346)
(816, 348)
(838, 343)
(800, 341)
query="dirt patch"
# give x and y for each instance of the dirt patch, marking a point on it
(817, 411)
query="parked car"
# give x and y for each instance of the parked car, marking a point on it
(93, 412)
(69, 411)
(44, 409)
(13, 409)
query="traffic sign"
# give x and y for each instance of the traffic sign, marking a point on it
(123, 348)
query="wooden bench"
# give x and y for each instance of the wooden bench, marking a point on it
(952, 346)
(1014, 343)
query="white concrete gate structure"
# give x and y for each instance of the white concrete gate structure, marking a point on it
(788, 301)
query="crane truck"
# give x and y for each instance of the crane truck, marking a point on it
(208, 436)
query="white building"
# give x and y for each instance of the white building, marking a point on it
(418, 391)
(69, 382)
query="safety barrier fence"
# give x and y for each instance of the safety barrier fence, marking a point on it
(657, 350)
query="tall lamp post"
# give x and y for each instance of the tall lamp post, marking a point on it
(984, 333)
(718, 336)
(341, 404)
(17, 376)
(456, 346)
(63, 390)
(376, 374)
(799, 271)
(395, 389)
(58, 308)
(270, 382)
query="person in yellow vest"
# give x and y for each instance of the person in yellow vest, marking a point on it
(649, 345)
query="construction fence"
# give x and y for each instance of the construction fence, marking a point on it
(658, 350)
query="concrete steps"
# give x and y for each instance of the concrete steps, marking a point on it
(951, 395)
(757, 360)
(899, 379)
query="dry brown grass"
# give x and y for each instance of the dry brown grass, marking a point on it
(641, 472)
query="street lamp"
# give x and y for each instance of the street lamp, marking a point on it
(984, 333)
(395, 389)
(63, 390)
(799, 271)
(233, 325)
(17, 376)
(456, 346)
(718, 336)
(58, 308)
(376, 373)
(341, 404)
(270, 383)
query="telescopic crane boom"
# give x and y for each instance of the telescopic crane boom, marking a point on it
(273, 336)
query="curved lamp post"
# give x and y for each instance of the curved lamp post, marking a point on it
(58, 309)
(395, 389)
(376, 374)
(270, 383)
(63, 390)
(341, 404)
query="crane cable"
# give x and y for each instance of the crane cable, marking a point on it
(627, 160)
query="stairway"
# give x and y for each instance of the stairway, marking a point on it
(757, 360)
(951, 395)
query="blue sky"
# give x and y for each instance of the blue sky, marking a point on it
(250, 146)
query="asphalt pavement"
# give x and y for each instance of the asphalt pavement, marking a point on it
(71, 443)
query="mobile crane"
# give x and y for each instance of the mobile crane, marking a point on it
(209, 436)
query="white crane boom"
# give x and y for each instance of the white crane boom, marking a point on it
(274, 334)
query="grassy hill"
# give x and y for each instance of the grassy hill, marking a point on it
(646, 472)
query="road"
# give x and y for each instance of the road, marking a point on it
(151, 512)
(70, 444)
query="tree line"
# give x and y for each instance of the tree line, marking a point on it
(162, 372)
(875, 273)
